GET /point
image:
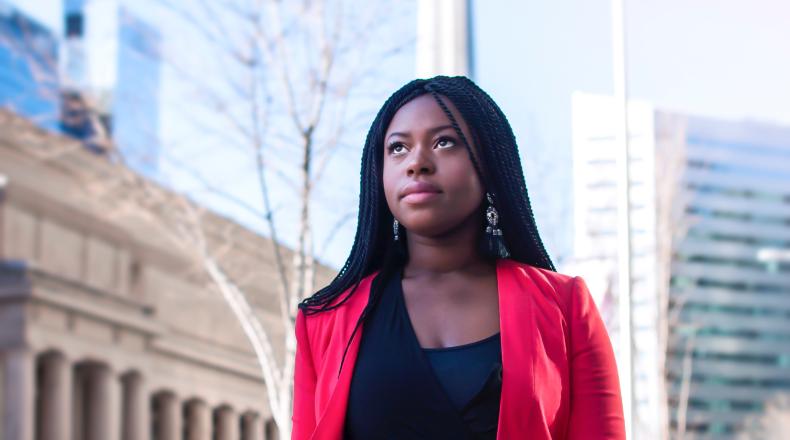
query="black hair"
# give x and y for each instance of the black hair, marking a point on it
(499, 169)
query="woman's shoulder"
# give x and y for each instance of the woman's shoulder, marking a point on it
(560, 287)
(328, 331)
(348, 303)
(544, 278)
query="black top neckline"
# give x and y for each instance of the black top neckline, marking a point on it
(464, 346)
(396, 393)
(402, 303)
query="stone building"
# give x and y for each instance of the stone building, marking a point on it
(107, 330)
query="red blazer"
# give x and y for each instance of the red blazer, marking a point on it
(559, 377)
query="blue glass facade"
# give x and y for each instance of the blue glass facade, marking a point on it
(28, 68)
(136, 95)
(732, 307)
(62, 95)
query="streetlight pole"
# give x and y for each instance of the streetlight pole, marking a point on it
(623, 214)
(443, 38)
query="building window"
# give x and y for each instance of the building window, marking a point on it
(74, 25)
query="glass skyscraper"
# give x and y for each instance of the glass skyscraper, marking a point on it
(710, 206)
(28, 67)
(136, 94)
(98, 82)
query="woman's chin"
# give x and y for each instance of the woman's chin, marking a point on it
(433, 230)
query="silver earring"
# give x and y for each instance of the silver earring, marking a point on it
(495, 241)
(395, 227)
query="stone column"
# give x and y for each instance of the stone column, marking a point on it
(135, 419)
(228, 424)
(270, 428)
(170, 417)
(253, 428)
(104, 407)
(18, 394)
(199, 421)
(56, 398)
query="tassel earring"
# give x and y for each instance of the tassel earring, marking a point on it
(400, 245)
(495, 242)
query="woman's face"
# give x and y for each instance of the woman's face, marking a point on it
(430, 183)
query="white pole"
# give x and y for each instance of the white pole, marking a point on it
(625, 361)
(443, 31)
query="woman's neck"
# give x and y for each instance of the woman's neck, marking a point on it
(451, 253)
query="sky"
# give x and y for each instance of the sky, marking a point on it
(727, 59)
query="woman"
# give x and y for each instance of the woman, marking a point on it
(448, 321)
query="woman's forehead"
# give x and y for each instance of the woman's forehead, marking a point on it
(422, 113)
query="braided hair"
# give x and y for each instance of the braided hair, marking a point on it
(499, 169)
(500, 172)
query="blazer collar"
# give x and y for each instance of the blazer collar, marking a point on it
(516, 322)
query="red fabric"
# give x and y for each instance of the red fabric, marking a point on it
(559, 374)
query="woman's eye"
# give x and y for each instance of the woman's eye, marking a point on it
(396, 148)
(445, 143)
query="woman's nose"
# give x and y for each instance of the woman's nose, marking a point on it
(421, 162)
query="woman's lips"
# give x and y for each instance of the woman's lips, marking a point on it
(420, 197)
(419, 192)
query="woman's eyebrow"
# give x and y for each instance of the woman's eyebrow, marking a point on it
(430, 131)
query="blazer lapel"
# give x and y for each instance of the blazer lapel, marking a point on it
(332, 417)
(517, 411)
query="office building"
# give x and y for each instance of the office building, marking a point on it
(28, 67)
(112, 63)
(710, 227)
(98, 82)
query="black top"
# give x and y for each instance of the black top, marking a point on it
(401, 391)
(462, 370)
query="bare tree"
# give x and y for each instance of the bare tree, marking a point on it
(283, 98)
(289, 82)
(672, 225)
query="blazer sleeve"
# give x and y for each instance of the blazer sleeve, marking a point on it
(596, 405)
(303, 417)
